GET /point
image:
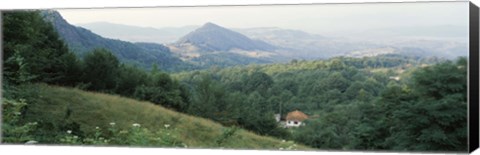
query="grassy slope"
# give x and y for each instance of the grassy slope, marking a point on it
(95, 109)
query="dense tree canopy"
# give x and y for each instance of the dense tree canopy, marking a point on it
(426, 113)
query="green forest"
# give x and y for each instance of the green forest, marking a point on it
(387, 102)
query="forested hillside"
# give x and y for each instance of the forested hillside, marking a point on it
(39, 113)
(386, 102)
(81, 41)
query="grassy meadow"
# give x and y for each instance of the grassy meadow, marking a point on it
(59, 105)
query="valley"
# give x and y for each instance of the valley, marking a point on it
(210, 86)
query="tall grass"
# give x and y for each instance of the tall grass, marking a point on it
(58, 109)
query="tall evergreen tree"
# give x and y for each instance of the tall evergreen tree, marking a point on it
(33, 51)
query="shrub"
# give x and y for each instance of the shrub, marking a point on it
(13, 130)
(136, 135)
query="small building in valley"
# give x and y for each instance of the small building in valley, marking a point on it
(295, 119)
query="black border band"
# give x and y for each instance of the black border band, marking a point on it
(473, 79)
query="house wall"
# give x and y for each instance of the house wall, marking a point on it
(291, 123)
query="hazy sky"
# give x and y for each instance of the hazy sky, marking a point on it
(321, 19)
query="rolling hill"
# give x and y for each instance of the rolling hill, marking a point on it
(213, 45)
(441, 41)
(57, 108)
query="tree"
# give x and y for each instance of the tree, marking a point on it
(162, 90)
(432, 115)
(100, 70)
(71, 70)
(256, 116)
(33, 51)
(257, 81)
(336, 64)
(352, 91)
(208, 98)
(129, 78)
(331, 131)
(335, 81)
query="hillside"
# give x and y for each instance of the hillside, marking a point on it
(53, 107)
(353, 102)
(82, 41)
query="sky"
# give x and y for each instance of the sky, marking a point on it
(319, 18)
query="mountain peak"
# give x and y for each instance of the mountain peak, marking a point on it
(211, 26)
(208, 24)
(212, 37)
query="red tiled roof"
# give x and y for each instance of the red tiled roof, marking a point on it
(296, 115)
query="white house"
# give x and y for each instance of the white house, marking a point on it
(295, 119)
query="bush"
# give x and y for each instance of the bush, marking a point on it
(136, 135)
(13, 130)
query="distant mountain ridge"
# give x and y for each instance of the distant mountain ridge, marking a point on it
(213, 45)
(139, 34)
(81, 41)
(298, 44)
(145, 55)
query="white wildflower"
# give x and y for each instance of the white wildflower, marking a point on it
(112, 123)
(136, 125)
(31, 142)
(98, 128)
(166, 125)
(69, 131)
